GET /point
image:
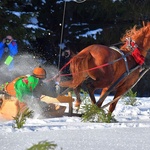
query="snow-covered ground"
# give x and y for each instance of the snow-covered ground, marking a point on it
(131, 132)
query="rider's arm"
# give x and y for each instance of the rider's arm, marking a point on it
(1, 49)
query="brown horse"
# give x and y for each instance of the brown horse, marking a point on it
(102, 67)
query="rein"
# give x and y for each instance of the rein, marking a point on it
(101, 66)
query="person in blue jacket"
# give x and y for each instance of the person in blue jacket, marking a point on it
(8, 49)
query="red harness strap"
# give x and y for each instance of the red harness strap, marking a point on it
(138, 57)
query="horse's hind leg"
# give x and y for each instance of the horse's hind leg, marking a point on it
(77, 93)
(91, 94)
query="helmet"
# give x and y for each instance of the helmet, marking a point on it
(39, 72)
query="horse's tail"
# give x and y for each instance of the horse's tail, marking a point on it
(79, 69)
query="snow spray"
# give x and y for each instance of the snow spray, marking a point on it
(23, 65)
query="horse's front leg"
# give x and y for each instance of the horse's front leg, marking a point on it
(119, 93)
(113, 105)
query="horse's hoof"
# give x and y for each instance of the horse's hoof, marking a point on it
(77, 104)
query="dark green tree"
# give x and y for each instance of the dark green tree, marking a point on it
(37, 24)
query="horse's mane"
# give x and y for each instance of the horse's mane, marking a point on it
(135, 34)
(129, 33)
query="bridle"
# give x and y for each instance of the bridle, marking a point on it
(135, 51)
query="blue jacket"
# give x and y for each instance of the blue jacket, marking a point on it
(13, 49)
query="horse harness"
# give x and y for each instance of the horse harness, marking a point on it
(123, 56)
(134, 51)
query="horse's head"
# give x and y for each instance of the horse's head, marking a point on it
(140, 36)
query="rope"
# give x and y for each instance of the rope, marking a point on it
(101, 66)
